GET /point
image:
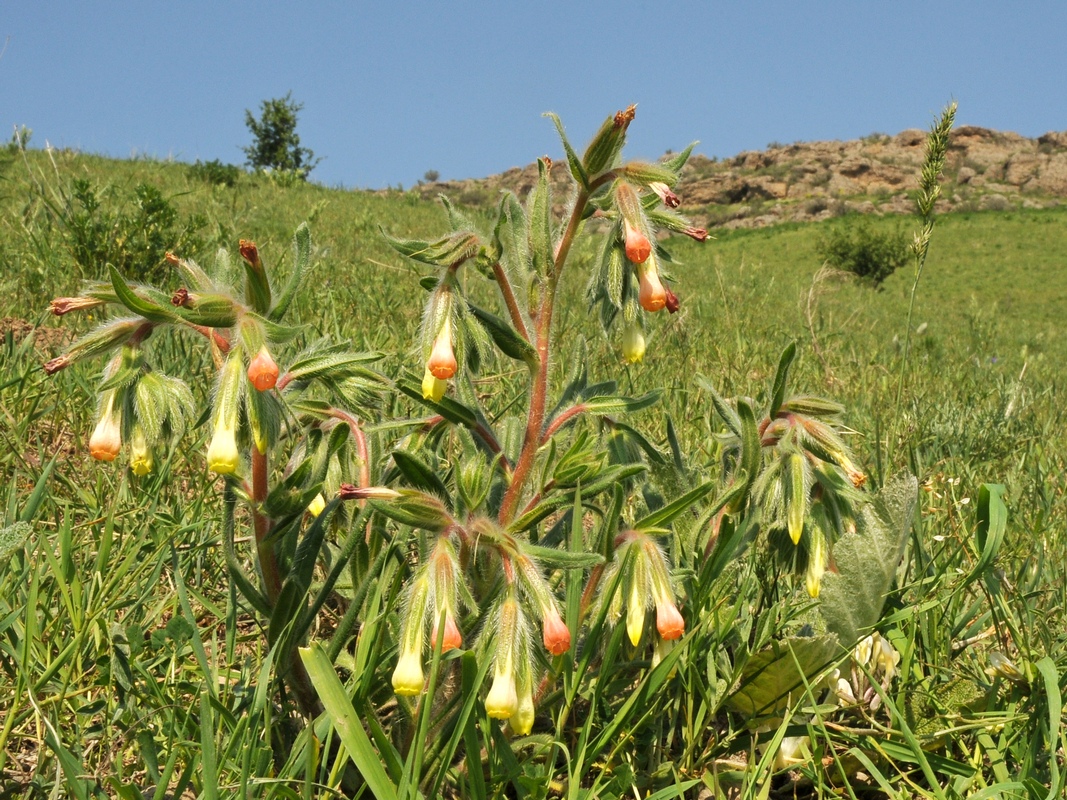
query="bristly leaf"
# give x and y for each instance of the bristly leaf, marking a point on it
(729, 416)
(575, 164)
(138, 305)
(504, 336)
(444, 252)
(778, 392)
(301, 262)
(677, 161)
(622, 405)
(418, 474)
(667, 514)
(540, 216)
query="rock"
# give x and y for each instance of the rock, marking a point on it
(965, 174)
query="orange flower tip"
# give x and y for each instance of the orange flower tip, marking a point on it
(106, 441)
(263, 371)
(638, 248)
(172, 259)
(672, 301)
(669, 621)
(651, 294)
(557, 635)
(858, 478)
(663, 191)
(624, 118)
(442, 363)
(453, 639)
(249, 252)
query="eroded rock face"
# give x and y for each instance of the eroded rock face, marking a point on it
(816, 180)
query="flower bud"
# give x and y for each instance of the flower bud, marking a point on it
(442, 362)
(556, 635)
(349, 491)
(316, 506)
(433, 388)
(263, 371)
(140, 453)
(633, 344)
(669, 620)
(816, 563)
(106, 441)
(407, 677)
(523, 719)
(638, 248)
(651, 293)
(635, 614)
(669, 198)
(699, 234)
(222, 454)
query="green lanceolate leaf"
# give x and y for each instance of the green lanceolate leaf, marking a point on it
(992, 523)
(138, 305)
(301, 262)
(418, 474)
(540, 216)
(780, 377)
(667, 514)
(456, 413)
(575, 164)
(729, 416)
(622, 405)
(677, 161)
(751, 451)
(504, 336)
(444, 252)
(562, 559)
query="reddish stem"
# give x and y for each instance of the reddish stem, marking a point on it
(562, 420)
(509, 300)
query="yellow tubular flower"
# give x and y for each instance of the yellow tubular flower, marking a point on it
(433, 388)
(222, 454)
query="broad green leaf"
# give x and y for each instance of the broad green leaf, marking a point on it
(149, 310)
(852, 598)
(419, 474)
(771, 681)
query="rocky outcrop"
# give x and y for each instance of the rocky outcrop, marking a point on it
(816, 180)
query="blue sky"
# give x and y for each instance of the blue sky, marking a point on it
(392, 89)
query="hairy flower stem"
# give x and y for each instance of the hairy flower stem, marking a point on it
(509, 300)
(535, 417)
(296, 676)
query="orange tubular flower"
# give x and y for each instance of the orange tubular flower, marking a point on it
(263, 371)
(442, 363)
(557, 636)
(638, 248)
(651, 294)
(453, 639)
(669, 620)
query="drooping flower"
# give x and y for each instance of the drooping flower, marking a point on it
(633, 344)
(106, 441)
(556, 634)
(638, 248)
(408, 678)
(263, 371)
(651, 293)
(669, 620)
(635, 612)
(442, 362)
(503, 700)
(668, 197)
(523, 719)
(222, 454)
(453, 639)
(141, 461)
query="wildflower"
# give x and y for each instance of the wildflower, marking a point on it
(263, 371)
(1001, 666)
(453, 639)
(222, 454)
(672, 301)
(633, 344)
(635, 611)
(699, 234)
(316, 506)
(816, 563)
(433, 388)
(638, 248)
(669, 198)
(408, 678)
(523, 719)
(140, 453)
(556, 635)
(503, 700)
(669, 620)
(250, 253)
(651, 293)
(106, 441)
(442, 363)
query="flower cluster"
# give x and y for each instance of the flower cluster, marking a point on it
(873, 658)
(645, 583)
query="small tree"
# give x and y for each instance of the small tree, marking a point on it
(276, 144)
(869, 255)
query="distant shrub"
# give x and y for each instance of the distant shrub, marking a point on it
(134, 236)
(275, 143)
(431, 176)
(216, 173)
(863, 251)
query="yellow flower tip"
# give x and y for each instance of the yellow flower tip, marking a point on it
(316, 506)
(263, 371)
(796, 531)
(651, 294)
(222, 454)
(633, 344)
(523, 719)
(433, 388)
(502, 701)
(638, 248)
(635, 618)
(408, 679)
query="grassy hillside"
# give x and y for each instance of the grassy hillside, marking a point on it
(983, 402)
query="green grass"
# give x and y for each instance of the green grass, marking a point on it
(127, 665)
